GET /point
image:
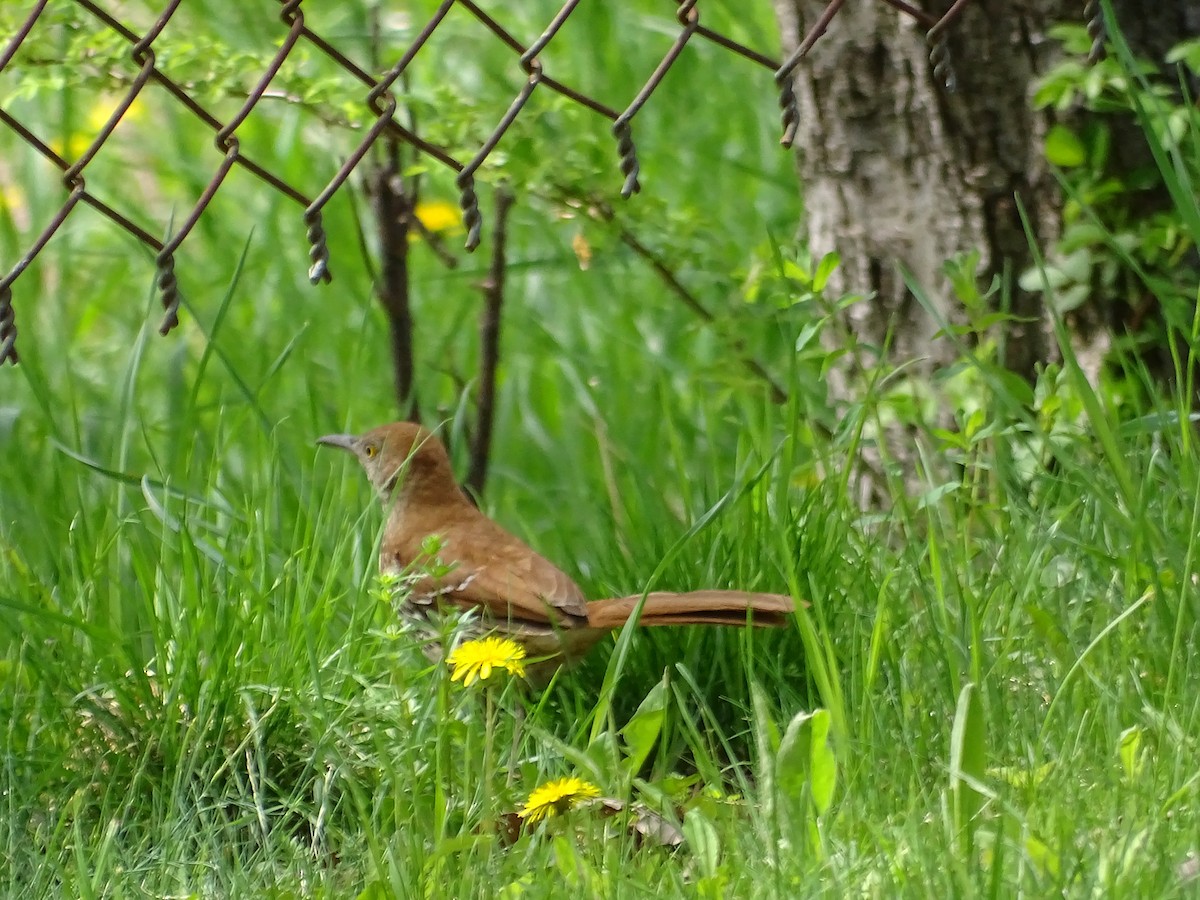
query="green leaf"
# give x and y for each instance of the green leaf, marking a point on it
(1074, 38)
(1046, 628)
(807, 333)
(1129, 749)
(824, 765)
(1017, 387)
(794, 271)
(575, 870)
(962, 271)
(643, 728)
(968, 760)
(601, 758)
(805, 758)
(1072, 297)
(950, 438)
(1064, 148)
(1045, 859)
(826, 267)
(932, 496)
(519, 888)
(766, 744)
(1187, 53)
(704, 842)
(791, 762)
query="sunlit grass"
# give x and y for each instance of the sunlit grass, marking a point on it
(203, 690)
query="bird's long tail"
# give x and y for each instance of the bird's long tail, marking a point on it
(694, 608)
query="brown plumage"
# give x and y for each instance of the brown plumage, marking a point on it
(518, 592)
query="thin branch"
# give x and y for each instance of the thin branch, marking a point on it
(668, 277)
(394, 205)
(393, 215)
(434, 242)
(489, 347)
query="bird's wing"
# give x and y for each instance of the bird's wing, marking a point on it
(492, 569)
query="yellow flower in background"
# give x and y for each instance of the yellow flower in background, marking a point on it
(555, 797)
(477, 660)
(12, 198)
(72, 148)
(100, 112)
(438, 215)
(76, 143)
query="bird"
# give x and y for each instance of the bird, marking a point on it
(481, 567)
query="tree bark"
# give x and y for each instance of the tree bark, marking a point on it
(899, 172)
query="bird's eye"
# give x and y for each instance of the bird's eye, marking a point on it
(371, 450)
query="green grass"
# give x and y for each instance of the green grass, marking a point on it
(202, 693)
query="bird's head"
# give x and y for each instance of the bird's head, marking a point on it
(400, 453)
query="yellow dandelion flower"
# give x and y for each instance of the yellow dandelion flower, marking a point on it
(12, 198)
(72, 148)
(556, 797)
(438, 215)
(478, 659)
(98, 115)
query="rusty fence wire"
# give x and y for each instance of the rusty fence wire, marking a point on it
(383, 106)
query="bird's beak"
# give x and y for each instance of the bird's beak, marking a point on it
(345, 441)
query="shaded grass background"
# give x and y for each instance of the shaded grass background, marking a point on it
(204, 695)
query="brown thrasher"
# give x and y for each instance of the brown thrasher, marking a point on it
(518, 593)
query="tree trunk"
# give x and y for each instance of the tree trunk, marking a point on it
(899, 172)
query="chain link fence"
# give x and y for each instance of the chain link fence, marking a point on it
(380, 99)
